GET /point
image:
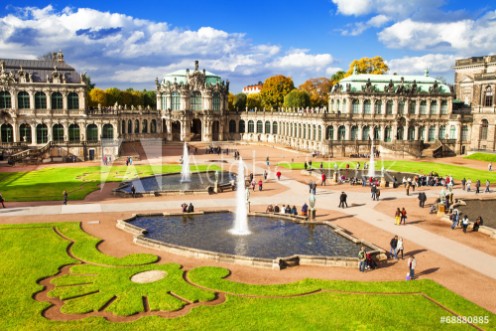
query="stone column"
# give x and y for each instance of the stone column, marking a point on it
(49, 101)
(64, 103)
(15, 131)
(31, 100)
(33, 133)
(66, 131)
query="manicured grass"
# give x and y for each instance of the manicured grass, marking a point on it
(33, 252)
(424, 168)
(482, 157)
(48, 184)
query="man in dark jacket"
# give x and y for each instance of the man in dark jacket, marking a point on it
(342, 200)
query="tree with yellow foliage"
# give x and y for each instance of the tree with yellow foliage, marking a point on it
(318, 90)
(97, 97)
(365, 65)
(274, 90)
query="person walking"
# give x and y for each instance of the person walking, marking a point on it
(342, 200)
(397, 216)
(403, 216)
(65, 197)
(2, 200)
(393, 245)
(278, 174)
(412, 264)
(477, 186)
(422, 197)
(133, 191)
(260, 184)
(487, 186)
(324, 177)
(373, 191)
(400, 247)
(455, 217)
(464, 182)
(362, 257)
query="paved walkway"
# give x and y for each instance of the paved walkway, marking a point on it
(360, 207)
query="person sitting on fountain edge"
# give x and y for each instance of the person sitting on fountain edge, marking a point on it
(270, 209)
(191, 208)
(184, 207)
(294, 211)
(304, 209)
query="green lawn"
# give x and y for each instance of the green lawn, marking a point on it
(482, 157)
(48, 184)
(32, 252)
(424, 168)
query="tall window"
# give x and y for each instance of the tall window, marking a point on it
(259, 127)
(72, 101)
(365, 132)
(241, 126)
(423, 107)
(432, 134)
(232, 126)
(41, 134)
(196, 101)
(25, 130)
(144, 128)
(319, 134)
(452, 132)
(153, 126)
(92, 133)
(251, 127)
(108, 131)
(57, 100)
(366, 107)
(483, 129)
(444, 107)
(442, 132)
(274, 127)
(58, 132)
(411, 107)
(330, 133)
(216, 101)
(433, 108)
(176, 101)
(314, 132)
(23, 100)
(401, 107)
(267, 127)
(464, 133)
(378, 107)
(74, 133)
(40, 101)
(389, 107)
(164, 102)
(341, 133)
(5, 101)
(355, 107)
(488, 97)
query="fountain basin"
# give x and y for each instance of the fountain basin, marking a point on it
(275, 241)
(200, 182)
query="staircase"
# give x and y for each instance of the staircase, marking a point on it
(34, 155)
(433, 150)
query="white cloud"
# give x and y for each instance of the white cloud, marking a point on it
(359, 27)
(302, 60)
(416, 65)
(353, 7)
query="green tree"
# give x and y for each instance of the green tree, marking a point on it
(113, 96)
(274, 90)
(253, 101)
(365, 65)
(336, 77)
(150, 99)
(297, 99)
(240, 102)
(318, 90)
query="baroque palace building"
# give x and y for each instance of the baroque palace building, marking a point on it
(43, 105)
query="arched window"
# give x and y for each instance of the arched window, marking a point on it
(452, 132)
(411, 133)
(314, 132)
(330, 133)
(232, 126)
(23, 100)
(216, 101)
(377, 133)
(92, 133)
(72, 101)
(40, 101)
(241, 126)
(129, 126)
(299, 131)
(5, 101)
(444, 107)
(488, 97)
(483, 129)
(57, 100)
(354, 132)
(251, 126)
(432, 134)
(366, 107)
(108, 131)
(389, 107)
(423, 107)
(145, 126)
(465, 133)
(123, 126)
(411, 107)
(153, 126)
(176, 101)
(341, 133)
(259, 127)
(136, 126)
(6, 133)
(355, 107)
(274, 127)
(378, 107)
(442, 132)
(164, 102)
(401, 107)
(58, 132)
(74, 135)
(41, 134)
(25, 131)
(267, 127)
(421, 134)
(366, 132)
(304, 132)
(196, 101)
(387, 134)
(433, 107)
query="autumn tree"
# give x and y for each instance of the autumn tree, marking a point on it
(297, 99)
(231, 98)
(318, 90)
(97, 97)
(365, 65)
(240, 101)
(254, 101)
(337, 76)
(274, 90)
(113, 96)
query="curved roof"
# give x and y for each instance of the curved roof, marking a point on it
(181, 76)
(379, 82)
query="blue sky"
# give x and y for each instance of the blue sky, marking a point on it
(129, 43)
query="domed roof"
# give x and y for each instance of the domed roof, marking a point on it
(182, 76)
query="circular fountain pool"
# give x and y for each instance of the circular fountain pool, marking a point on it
(271, 238)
